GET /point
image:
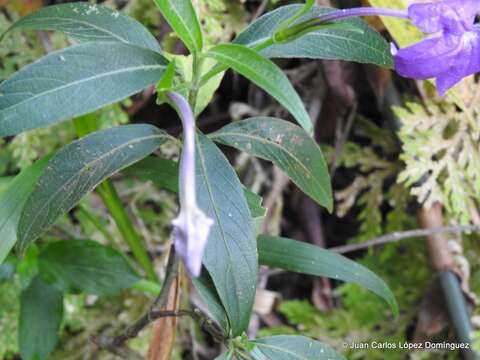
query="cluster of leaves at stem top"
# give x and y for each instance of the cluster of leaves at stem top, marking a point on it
(117, 57)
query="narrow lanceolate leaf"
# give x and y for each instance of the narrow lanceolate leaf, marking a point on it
(254, 201)
(41, 312)
(206, 289)
(292, 19)
(80, 166)
(304, 258)
(181, 16)
(75, 81)
(286, 347)
(12, 201)
(162, 172)
(89, 22)
(287, 146)
(357, 41)
(86, 266)
(207, 90)
(231, 255)
(266, 75)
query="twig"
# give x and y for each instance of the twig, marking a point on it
(45, 41)
(280, 182)
(115, 344)
(386, 239)
(399, 235)
(341, 138)
(140, 103)
(260, 10)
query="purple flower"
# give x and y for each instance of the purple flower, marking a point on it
(449, 56)
(192, 226)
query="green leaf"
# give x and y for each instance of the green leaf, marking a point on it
(74, 82)
(181, 16)
(162, 172)
(41, 312)
(207, 90)
(302, 11)
(89, 22)
(334, 43)
(288, 146)
(168, 77)
(27, 266)
(231, 255)
(254, 201)
(12, 201)
(305, 258)
(206, 289)
(266, 75)
(78, 168)
(289, 347)
(257, 211)
(86, 266)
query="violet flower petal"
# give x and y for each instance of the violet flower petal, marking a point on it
(450, 56)
(467, 62)
(427, 16)
(454, 16)
(428, 58)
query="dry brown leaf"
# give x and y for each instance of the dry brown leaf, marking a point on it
(164, 329)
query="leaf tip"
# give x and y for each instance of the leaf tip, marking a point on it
(394, 306)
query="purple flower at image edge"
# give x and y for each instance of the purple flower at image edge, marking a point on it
(449, 56)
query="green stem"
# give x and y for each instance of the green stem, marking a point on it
(85, 125)
(147, 286)
(112, 201)
(196, 75)
(458, 312)
(264, 44)
(98, 225)
(220, 68)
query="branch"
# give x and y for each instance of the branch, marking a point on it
(116, 344)
(399, 235)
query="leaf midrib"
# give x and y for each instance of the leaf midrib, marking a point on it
(252, 73)
(74, 83)
(100, 29)
(89, 164)
(267, 141)
(210, 195)
(184, 25)
(328, 35)
(375, 281)
(293, 105)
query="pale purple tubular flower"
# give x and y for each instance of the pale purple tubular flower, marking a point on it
(191, 226)
(451, 55)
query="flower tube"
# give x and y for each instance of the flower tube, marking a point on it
(191, 227)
